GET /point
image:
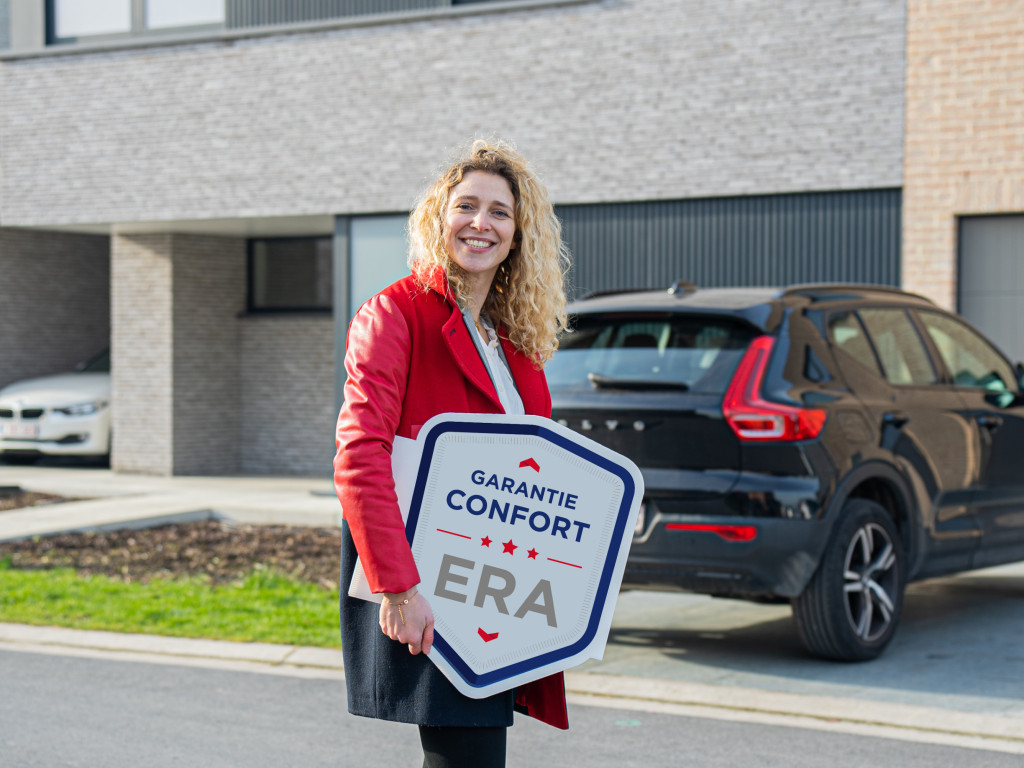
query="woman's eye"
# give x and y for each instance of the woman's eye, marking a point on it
(502, 214)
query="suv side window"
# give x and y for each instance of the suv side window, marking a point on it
(846, 333)
(901, 350)
(971, 360)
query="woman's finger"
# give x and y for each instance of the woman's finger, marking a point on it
(428, 637)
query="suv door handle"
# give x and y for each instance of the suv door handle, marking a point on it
(895, 418)
(990, 422)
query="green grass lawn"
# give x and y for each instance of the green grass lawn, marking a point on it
(265, 607)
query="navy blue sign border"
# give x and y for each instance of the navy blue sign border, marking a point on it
(481, 680)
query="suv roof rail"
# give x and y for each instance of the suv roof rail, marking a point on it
(682, 287)
(814, 290)
(612, 292)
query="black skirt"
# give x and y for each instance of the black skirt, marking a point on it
(387, 682)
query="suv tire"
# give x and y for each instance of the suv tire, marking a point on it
(850, 608)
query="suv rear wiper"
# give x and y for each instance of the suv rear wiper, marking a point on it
(601, 381)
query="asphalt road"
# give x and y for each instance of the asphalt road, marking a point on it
(65, 711)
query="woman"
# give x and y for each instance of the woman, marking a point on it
(467, 332)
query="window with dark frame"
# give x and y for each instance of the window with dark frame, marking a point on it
(291, 274)
(73, 21)
(69, 21)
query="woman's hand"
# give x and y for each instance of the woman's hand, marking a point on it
(411, 623)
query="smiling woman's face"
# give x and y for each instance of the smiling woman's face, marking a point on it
(480, 224)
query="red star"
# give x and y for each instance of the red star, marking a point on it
(509, 547)
(532, 554)
(486, 541)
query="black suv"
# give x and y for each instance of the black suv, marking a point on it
(822, 444)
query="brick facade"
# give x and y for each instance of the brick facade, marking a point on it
(288, 411)
(641, 100)
(176, 353)
(614, 101)
(209, 295)
(964, 129)
(142, 375)
(54, 301)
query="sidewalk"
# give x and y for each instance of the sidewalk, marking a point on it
(941, 682)
(112, 500)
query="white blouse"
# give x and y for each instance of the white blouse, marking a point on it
(498, 368)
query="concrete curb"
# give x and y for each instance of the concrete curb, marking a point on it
(908, 722)
(106, 514)
(821, 708)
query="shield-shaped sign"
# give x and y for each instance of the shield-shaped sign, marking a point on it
(520, 530)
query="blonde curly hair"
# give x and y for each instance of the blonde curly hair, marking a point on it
(527, 298)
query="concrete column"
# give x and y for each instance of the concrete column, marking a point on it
(342, 311)
(175, 353)
(142, 364)
(27, 24)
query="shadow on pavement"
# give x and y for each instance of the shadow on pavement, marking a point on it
(958, 645)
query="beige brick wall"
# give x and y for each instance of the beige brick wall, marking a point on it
(142, 382)
(45, 279)
(288, 411)
(964, 146)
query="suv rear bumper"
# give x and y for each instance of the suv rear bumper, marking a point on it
(777, 562)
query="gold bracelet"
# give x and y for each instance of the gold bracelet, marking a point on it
(400, 604)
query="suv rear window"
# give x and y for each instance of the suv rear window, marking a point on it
(681, 352)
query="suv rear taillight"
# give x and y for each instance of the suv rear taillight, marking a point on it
(753, 418)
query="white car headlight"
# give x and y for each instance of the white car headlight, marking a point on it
(82, 409)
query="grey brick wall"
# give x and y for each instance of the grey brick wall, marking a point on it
(613, 100)
(288, 412)
(209, 294)
(176, 353)
(45, 279)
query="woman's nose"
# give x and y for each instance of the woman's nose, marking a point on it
(480, 221)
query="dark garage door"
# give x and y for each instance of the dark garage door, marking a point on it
(991, 279)
(851, 237)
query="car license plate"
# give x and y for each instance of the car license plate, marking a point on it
(18, 430)
(641, 519)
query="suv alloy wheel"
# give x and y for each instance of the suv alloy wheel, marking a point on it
(850, 609)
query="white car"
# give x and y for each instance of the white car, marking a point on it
(63, 415)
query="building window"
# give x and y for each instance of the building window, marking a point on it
(118, 21)
(377, 255)
(291, 274)
(71, 20)
(161, 14)
(84, 18)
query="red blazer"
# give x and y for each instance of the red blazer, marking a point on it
(409, 357)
